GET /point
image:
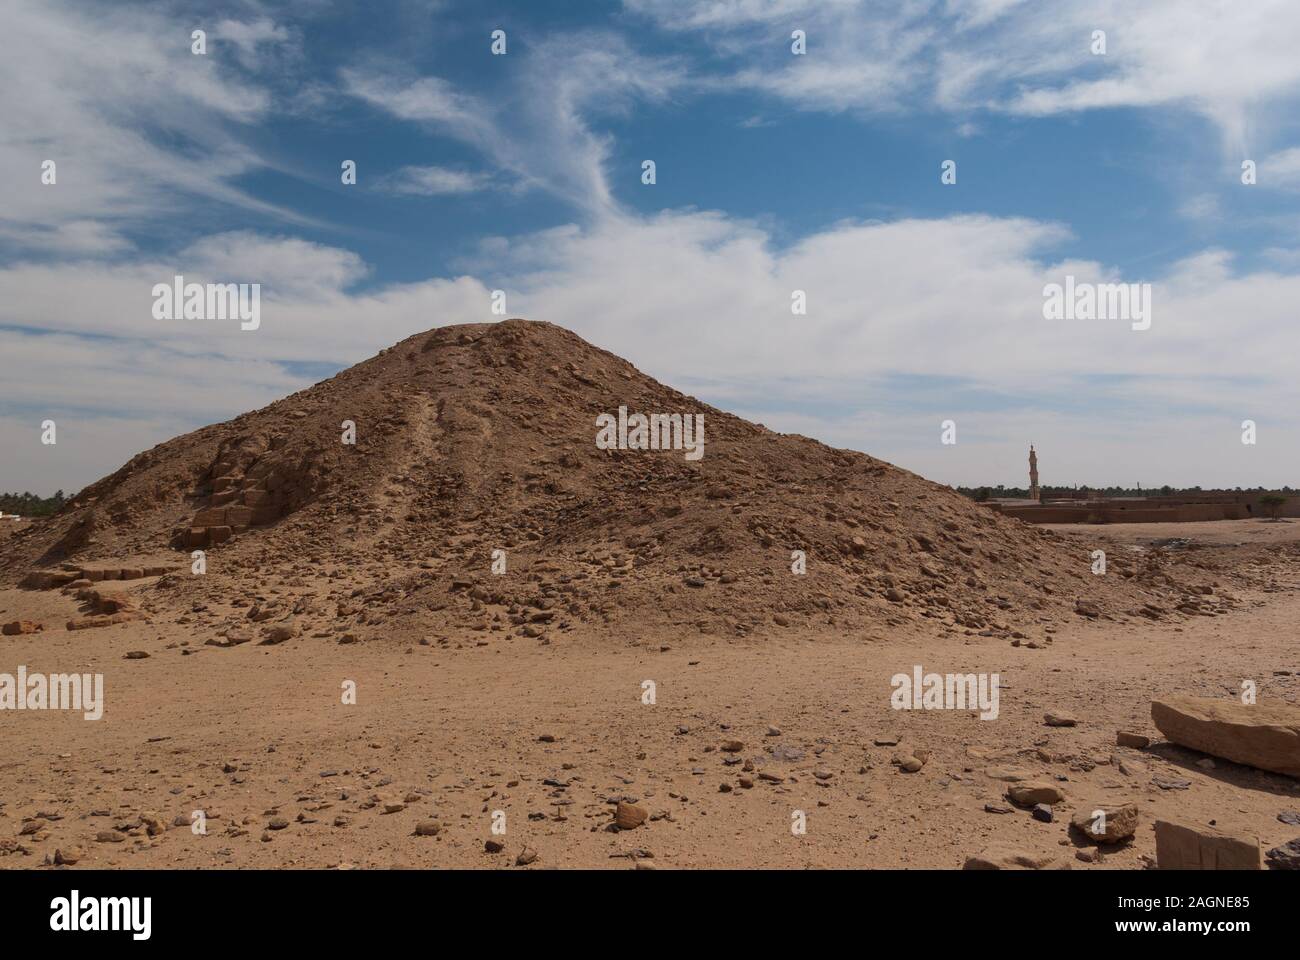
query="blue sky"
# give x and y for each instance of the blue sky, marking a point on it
(775, 172)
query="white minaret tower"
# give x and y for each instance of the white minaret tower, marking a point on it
(1033, 474)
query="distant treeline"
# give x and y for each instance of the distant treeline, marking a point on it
(1051, 493)
(30, 505)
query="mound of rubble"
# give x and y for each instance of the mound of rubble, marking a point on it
(455, 482)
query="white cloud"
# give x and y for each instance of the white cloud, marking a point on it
(249, 37)
(698, 294)
(422, 99)
(136, 124)
(307, 313)
(110, 399)
(1203, 207)
(536, 131)
(1281, 169)
(289, 267)
(132, 378)
(432, 181)
(1225, 61)
(70, 237)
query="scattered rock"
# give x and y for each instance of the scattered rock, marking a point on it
(629, 816)
(91, 623)
(1033, 792)
(1128, 766)
(1000, 856)
(278, 634)
(68, 855)
(1008, 774)
(1264, 735)
(907, 762)
(153, 823)
(18, 627)
(1285, 857)
(1181, 846)
(1106, 822)
(110, 603)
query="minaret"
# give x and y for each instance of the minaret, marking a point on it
(1033, 474)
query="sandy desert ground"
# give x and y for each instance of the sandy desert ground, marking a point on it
(554, 734)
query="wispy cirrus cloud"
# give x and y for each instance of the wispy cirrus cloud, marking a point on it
(254, 40)
(1227, 62)
(433, 181)
(138, 126)
(1281, 169)
(539, 131)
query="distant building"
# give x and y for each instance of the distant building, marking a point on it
(1033, 474)
(1179, 508)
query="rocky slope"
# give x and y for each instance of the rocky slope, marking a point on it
(480, 438)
